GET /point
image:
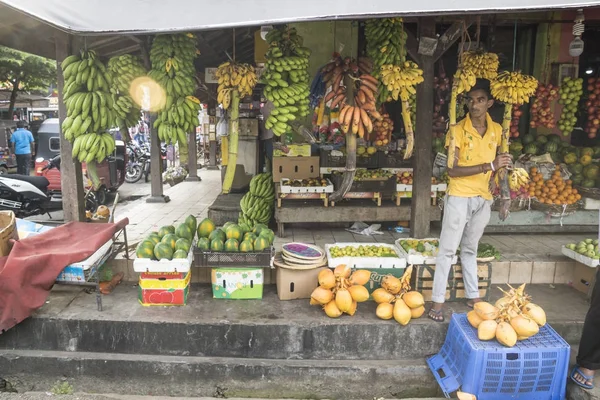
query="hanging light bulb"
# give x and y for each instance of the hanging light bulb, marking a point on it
(576, 46)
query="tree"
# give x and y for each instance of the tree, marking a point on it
(25, 72)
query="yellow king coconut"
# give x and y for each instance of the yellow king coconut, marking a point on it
(506, 335)
(360, 277)
(327, 279)
(413, 299)
(417, 312)
(352, 309)
(343, 300)
(332, 310)
(382, 296)
(321, 295)
(385, 311)
(536, 313)
(502, 301)
(485, 310)
(402, 313)
(487, 330)
(342, 271)
(359, 293)
(524, 326)
(391, 284)
(474, 319)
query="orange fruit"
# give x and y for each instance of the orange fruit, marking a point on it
(574, 191)
(569, 182)
(577, 196)
(557, 202)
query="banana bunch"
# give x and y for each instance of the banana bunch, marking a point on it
(517, 178)
(513, 87)
(123, 70)
(400, 80)
(172, 58)
(286, 79)
(257, 204)
(484, 65)
(93, 147)
(90, 106)
(356, 119)
(465, 79)
(234, 76)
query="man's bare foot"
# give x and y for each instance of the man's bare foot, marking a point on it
(471, 303)
(436, 312)
(583, 377)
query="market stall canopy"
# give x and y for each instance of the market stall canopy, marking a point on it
(153, 16)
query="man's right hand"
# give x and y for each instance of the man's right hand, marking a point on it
(502, 160)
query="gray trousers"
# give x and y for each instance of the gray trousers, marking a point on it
(465, 218)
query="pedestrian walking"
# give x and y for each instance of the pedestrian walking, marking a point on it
(588, 356)
(467, 206)
(23, 147)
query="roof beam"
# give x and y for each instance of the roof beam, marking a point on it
(451, 36)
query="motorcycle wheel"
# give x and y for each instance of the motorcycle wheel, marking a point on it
(147, 173)
(133, 173)
(101, 196)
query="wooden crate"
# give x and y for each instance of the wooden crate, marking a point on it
(422, 281)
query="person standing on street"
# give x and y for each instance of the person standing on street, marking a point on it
(468, 200)
(23, 147)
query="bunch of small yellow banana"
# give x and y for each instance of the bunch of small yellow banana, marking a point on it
(401, 80)
(234, 76)
(517, 179)
(90, 106)
(484, 65)
(172, 58)
(123, 70)
(464, 80)
(513, 87)
(93, 147)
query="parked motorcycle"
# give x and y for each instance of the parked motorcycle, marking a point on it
(29, 195)
(139, 161)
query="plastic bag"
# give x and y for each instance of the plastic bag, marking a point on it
(222, 128)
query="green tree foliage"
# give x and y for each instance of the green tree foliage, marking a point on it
(25, 72)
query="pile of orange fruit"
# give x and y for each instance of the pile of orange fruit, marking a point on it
(552, 191)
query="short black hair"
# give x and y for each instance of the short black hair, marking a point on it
(482, 84)
(20, 124)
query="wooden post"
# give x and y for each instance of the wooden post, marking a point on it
(422, 165)
(71, 177)
(156, 185)
(192, 158)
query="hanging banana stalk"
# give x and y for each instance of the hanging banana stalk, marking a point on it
(408, 127)
(452, 130)
(503, 172)
(233, 141)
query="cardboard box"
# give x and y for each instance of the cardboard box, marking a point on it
(297, 284)
(164, 288)
(377, 275)
(237, 283)
(294, 150)
(295, 168)
(248, 127)
(584, 278)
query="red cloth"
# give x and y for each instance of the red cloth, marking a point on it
(29, 271)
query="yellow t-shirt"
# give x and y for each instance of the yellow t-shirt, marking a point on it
(474, 150)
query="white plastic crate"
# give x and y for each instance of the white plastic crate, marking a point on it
(419, 258)
(366, 262)
(585, 260)
(309, 189)
(175, 265)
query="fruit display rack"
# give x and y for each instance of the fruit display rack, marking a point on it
(580, 258)
(253, 259)
(288, 186)
(302, 195)
(375, 196)
(405, 191)
(174, 265)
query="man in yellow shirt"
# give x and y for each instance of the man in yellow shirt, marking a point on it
(468, 199)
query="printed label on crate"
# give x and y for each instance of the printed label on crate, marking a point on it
(163, 297)
(237, 283)
(377, 276)
(164, 280)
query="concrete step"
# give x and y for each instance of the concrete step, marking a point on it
(575, 392)
(160, 375)
(266, 328)
(113, 396)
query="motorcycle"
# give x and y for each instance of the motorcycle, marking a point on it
(28, 195)
(139, 161)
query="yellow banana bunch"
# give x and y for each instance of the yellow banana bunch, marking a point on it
(401, 80)
(465, 79)
(513, 87)
(172, 58)
(482, 64)
(234, 76)
(517, 179)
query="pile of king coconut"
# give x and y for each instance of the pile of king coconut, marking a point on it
(512, 318)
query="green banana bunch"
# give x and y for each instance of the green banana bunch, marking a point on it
(90, 105)
(93, 147)
(257, 204)
(286, 79)
(124, 70)
(172, 58)
(386, 45)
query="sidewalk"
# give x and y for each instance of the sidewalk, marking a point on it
(530, 258)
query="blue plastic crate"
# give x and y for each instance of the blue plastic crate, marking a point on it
(534, 369)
